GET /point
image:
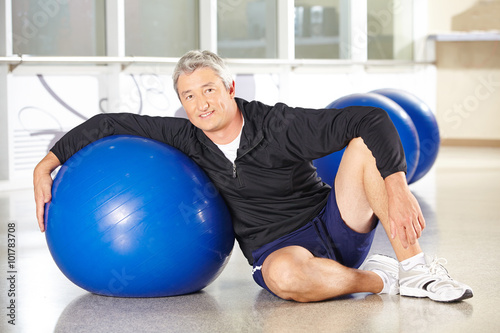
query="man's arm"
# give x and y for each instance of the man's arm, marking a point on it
(163, 129)
(42, 183)
(309, 134)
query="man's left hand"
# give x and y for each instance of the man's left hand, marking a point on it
(405, 216)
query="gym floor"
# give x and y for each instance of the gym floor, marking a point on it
(459, 197)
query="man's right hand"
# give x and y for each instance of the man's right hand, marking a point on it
(42, 183)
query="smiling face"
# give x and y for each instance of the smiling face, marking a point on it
(209, 105)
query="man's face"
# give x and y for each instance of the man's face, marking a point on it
(208, 104)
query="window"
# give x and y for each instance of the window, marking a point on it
(58, 28)
(317, 29)
(246, 28)
(390, 29)
(161, 28)
(322, 29)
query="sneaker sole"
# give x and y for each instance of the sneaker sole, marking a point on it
(419, 293)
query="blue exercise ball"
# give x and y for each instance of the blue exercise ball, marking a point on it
(425, 123)
(133, 217)
(327, 166)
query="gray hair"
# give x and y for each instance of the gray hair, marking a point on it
(193, 60)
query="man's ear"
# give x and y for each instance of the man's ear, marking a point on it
(232, 89)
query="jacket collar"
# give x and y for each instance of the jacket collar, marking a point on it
(252, 131)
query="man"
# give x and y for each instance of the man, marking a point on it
(304, 239)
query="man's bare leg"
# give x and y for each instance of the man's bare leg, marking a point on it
(294, 273)
(361, 180)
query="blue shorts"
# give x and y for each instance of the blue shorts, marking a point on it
(326, 236)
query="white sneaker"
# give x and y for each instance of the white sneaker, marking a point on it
(432, 280)
(385, 267)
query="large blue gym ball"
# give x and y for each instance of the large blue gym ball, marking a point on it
(425, 123)
(327, 166)
(133, 217)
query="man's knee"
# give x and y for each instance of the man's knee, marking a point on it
(359, 149)
(283, 273)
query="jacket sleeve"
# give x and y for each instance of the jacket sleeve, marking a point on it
(313, 133)
(162, 129)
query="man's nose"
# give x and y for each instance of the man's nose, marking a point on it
(202, 104)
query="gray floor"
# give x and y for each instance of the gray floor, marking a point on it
(460, 198)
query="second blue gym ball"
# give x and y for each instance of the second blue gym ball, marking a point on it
(133, 217)
(328, 165)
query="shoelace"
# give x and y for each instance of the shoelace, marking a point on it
(436, 266)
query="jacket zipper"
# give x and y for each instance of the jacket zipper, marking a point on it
(235, 174)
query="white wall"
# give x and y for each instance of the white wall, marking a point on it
(442, 11)
(468, 74)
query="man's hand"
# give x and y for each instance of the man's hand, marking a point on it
(405, 216)
(42, 183)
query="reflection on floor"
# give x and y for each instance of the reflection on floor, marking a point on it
(459, 197)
